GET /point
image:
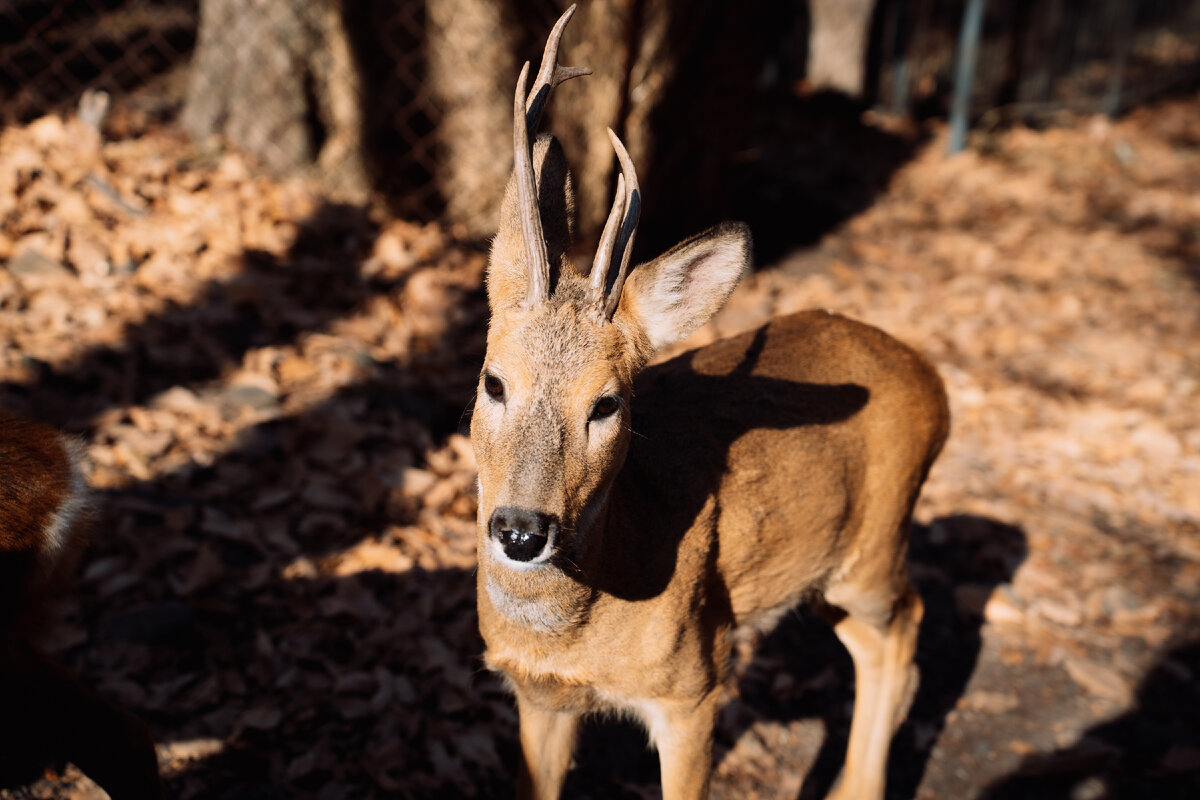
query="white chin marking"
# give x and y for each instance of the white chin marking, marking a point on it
(529, 613)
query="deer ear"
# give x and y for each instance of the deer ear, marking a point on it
(680, 290)
(506, 275)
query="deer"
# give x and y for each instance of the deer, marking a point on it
(47, 716)
(636, 519)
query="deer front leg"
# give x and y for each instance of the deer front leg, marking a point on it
(547, 741)
(683, 734)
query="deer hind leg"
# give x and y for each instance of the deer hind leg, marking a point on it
(885, 680)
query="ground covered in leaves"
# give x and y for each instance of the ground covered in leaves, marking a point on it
(272, 390)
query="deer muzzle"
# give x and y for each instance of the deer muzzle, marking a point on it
(524, 536)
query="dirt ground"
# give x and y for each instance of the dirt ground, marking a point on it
(272, 390)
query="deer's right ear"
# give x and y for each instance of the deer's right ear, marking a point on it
(507, 279)
(680, 290)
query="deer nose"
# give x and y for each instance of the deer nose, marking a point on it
(523, 535)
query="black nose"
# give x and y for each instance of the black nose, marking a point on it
(522, 533)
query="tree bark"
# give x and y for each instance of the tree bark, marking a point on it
(675, 81)
(691, 96)
(837, 54)
(473, 72)
(278, 79)
(600, 38)
(476, 48)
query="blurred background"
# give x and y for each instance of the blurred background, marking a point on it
(243, 245)
(726, 104)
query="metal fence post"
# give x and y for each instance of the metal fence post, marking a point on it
(898, 33)
(964, 74)
(1123, 31)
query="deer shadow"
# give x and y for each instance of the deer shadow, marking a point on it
(612, 759)
(956, 562)
(1150, 751)
(800, 670)
(272, 300)
(208, 639)
(668, 459)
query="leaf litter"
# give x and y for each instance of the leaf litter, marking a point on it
(273, 388)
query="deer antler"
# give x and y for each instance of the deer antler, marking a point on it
(527, 112)
(619, 231)
(551, 73)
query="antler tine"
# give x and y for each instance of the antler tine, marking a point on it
(527, 111)
(603, 260)
(632, 209)
(538, 261)
(550, 74)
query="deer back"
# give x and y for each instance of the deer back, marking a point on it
(761, 447)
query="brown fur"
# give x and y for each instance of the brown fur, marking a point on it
(730, 484)
(745, 476)
(40, 502)
(48, 716)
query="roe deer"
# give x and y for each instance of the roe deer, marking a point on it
(46, 715)
(630, 524)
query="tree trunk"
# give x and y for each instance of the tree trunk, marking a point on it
(600, 37)
(473, 72)
(837, 53)
(278, 79)
(691, 95)
(476, 48)
(673, 79)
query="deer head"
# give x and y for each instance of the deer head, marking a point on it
(551, 425)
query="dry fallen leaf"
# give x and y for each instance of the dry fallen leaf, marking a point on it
(271, 387)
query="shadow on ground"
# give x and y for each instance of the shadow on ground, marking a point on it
(952, 558)
(203, 637)
(272, 301)
(1151, 751)
(814, 162)
(801, 671)
(247, 635)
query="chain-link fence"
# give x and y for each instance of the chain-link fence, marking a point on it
(52, 51)
(370, 95)
(341, 90)
(1036, 58)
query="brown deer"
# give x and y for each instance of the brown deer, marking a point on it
(632, 522)
(46, 715)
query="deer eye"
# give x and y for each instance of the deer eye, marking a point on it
(605, 407)
(494, 387)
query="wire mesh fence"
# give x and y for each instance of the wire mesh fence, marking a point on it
(1035, 58)
(345, 91)
(50, 52)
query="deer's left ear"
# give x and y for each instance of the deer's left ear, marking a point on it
(680, 290)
